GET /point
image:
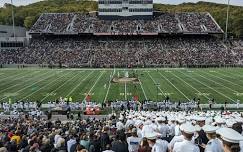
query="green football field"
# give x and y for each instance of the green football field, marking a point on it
(179, 84)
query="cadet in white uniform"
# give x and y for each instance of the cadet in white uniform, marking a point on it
(186, 145)
(162, 127)
(213, 145)
(133, 141)
(139, 129)
(129, 122)
(119, 124)
(230, 139)
(158, 145)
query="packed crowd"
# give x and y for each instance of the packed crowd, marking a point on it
(147, 105)
(33, 108)
(129, 131)
(122, 51)
(198, 22)
(90, 23)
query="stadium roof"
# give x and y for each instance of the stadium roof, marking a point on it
(7, 31)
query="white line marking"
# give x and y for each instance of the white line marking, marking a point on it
(78, 84)
(94, 85)
(43, 87)
(216, 82)
(21, 82)
(227, 80)
(174, 86)
(142, 89)
(156, 86)
(59, 87)
(16, 76)
(30, 85)
(233, 73)
(108, 90)
(208, 87)
(190, 85)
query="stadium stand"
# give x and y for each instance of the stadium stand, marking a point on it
(77, 40)
(113, 51)
(74, 23)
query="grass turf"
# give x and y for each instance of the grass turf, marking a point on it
(179, 84)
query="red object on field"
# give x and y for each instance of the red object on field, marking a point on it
(92, 110)
(135, 98)
(88, 98)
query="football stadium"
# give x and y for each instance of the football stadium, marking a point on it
(121, 76)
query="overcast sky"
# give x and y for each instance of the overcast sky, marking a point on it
(233, 2)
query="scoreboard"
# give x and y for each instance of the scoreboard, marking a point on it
(125, 8)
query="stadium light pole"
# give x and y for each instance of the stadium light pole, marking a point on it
(13, 18)
(227, 21)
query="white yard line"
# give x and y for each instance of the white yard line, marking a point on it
(224, 74)
(190, 85)
(78, 84)
(51, 82)
(16, 76)
(20, 83)
(174, 86)
(30, 85)
(142, 89)
(59, 87)
(108, 90)
(217, 83)
(209, 87)
(156, 86)
(94, 85)
(225, 79)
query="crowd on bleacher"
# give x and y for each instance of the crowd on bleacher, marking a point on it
(104, 51)
(129, 131)
(90, 23)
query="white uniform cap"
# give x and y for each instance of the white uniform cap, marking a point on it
(151, 135)
(197, 127)
(138, 123)
(147, 122)
(171, 118)
(188, 128)
(160, 119)
(219, 120)
(229, 135)
(209, 120)
(230, 123)
(209, 128)
(239, 119)
(200, 119)
(180, 120)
